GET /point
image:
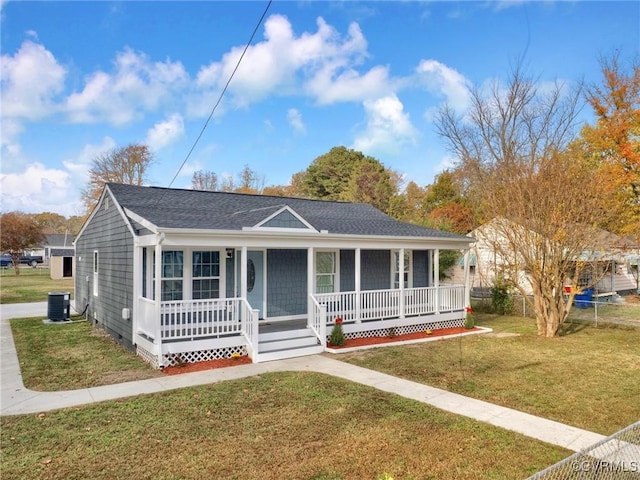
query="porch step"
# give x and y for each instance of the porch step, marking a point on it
(287, 344)
(286, 340)
(290, 353)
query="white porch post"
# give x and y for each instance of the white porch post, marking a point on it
(467, 279)
(436, 277)
(358, 281)
(243, 272)
(401, 281)
(157, 295)
(310, 282)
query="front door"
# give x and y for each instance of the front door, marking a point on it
(255, 280)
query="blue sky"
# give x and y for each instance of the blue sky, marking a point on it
(80, 78)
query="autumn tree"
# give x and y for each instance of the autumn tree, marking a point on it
(408, 206)
(128, 165)
(19, 232)
(50, 222)
(445, 206)
(349, 175)
(614, 140)
(204, 180)
(512, 147)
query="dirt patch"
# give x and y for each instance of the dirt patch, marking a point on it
(502, 334)
(208, 365)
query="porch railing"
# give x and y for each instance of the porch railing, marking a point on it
(385, 304)
(318, 321)
(249, 328)
(146, 317)
(188, 319)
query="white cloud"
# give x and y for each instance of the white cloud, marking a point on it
(446, 163)
(165, 133)
(328, 86)
(320, 64)
(294, 117)
(31, 79)
(36, 189)
(388, 127)
(445, 81)
(136, 86)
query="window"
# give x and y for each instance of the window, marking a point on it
(172, 273)
(206, 275)
(407, 269)
(95, 273)
(326, 272)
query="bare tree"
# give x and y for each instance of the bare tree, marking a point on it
(513, 149)
(204, 180)
(126, 165)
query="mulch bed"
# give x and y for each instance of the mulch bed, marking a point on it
(364, 342)
(356, 342)
(208, 365)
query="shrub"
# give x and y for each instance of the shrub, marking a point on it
(501, 299)
(336, 337)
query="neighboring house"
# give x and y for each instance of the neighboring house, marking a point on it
(59, 253)
(183, 275)
(616, 268)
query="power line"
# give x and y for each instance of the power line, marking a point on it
(253, 34)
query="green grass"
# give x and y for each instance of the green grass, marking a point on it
(72, 356)
(297, 425)
(32, 285)
(589, 377)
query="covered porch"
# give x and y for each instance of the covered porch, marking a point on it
(198, 330)
(200, 295)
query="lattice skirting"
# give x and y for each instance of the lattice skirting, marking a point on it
(147, 356)
(171, 359)
(384, 332)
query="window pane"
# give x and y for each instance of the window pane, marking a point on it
(206, 264)
(325, 262)
(171, 290)
(207, 288)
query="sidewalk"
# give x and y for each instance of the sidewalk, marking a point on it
(15, 399)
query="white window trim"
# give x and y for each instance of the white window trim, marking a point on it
(187, 271)
(96, 271)
(222, 258)
(336, 280)
(408, 265)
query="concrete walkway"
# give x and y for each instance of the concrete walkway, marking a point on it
(16, 399)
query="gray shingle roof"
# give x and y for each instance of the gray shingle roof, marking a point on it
(193, 209)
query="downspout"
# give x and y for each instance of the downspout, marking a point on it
(158, 297)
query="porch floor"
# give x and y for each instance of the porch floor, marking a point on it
(282, 325)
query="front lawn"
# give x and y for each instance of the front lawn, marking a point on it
(294, 425)
(589, 378)
(71, 356)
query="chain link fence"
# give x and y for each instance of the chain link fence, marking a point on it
(615, 458)
(623, 310)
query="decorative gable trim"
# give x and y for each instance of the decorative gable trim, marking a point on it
(269, 223)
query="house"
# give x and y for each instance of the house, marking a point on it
(58, 252)
(614, 270)
(185, 276)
